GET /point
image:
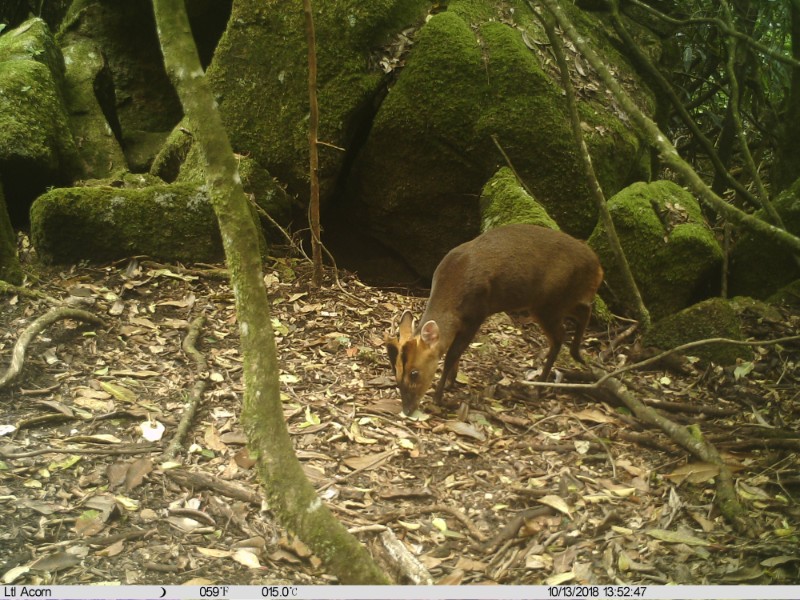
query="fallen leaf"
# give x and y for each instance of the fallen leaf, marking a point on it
(676, 537)
(694, 473)
(556, 502)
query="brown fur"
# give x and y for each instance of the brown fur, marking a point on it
(515, 268)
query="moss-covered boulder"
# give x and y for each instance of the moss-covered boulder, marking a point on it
(10, 269)
(475, 72)
(36, 146)
(32, 40)
(788, 295)
(711, 318)
(144, 103)
(759, 266)
(180, 160)
(674, 256)
(87, 84)
(172, 222)
(504, 201)
(259, 73)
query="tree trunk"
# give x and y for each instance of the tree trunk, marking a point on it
(10, 270)
(291, 497)
(313, 151)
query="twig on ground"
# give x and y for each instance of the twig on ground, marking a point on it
(196, 393)
(34, 329)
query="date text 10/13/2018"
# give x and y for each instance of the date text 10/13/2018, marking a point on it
(597, 591)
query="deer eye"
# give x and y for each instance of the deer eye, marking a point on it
(414, 375)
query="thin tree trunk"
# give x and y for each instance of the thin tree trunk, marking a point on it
(313, 136)
(632, 290)
(291, 497)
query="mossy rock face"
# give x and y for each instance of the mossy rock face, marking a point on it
(87, 79)
(259, 74)
(504, 201)
(711, 318)
(788, 295)
(180, 160)
(145, 100)
(471, 76)
(36, 146)
(759, 267)
(673, 255)
(100, 223)
(32, 40)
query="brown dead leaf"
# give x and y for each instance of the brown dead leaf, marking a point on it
(53, 563)
(368, 461)
(137, 471)
(468, 564)
(694, 473)
(455, 577)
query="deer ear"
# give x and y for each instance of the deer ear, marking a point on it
(405, 329)
(392, 350)
(430, 333)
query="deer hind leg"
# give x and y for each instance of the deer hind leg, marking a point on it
(555, 334)
(581, 314)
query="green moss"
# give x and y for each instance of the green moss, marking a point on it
(259, 73)
(33, 124)
(672, 253)
(788, 295)
(748, 275)
(99, 148)
(527, 105)
(33, 41)
(503, 201)
(472, 77)
(420, 154)
(711, 318)
(145, 100)
(169, 222)
(443, 100)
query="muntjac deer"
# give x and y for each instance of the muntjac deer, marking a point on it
(517, 268)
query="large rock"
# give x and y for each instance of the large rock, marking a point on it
(504, 201)
(759, 267)
(89, 99)
(674, 256)
(169, 222)
(144, 106)
(476, 72)
(36, 146)
(260, 76)
(181, 160)
(711, 318)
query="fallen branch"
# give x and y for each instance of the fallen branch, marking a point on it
(691, 440)
(201, 481)
(11, 289)
(47, 319)
(403, 561)
(654, 359)
(196, 393)
(112, 451)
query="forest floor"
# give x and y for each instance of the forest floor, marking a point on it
(85, 499)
